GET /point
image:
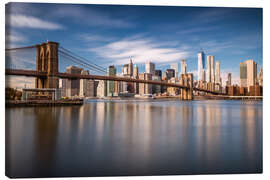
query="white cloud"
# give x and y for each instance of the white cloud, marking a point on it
(15, 37)
(140, 49)
(23, 21)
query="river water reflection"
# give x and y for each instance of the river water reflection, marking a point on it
(103, 138)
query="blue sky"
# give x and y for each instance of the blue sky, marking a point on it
(112, 34)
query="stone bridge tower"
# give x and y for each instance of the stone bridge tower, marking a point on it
(187, 80)
(47, 62)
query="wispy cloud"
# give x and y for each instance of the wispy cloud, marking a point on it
(140, 49)
(15, 37)
(95, 38)
(92, 17)
(23, 21)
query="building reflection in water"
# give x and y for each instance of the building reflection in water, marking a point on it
(135, 138)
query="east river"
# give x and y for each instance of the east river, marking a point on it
(127, 137)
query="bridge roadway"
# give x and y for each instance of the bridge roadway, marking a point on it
(33, 73)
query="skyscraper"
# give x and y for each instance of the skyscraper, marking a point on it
(183, 66)
(210, 74)
(175, 67)
(248, 73)
(229, 82)
(218, 79)
(201, 65)
(130, 68)
(111, 71)
(150, 68)
(136, 72)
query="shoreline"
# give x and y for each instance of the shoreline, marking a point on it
(37, 103)
(70, 102)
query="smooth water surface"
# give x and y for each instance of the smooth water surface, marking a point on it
(103, 138)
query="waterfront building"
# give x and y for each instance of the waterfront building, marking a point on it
(218, 78)
(111, 71)
(173, 91)
(63, 86)
(156, 88)
(183, 66)
(175, 67)
(102, 88)
(85, 89)
(248, 73)
(201, 66)
(150, 68)
(136, 76)
(210, 77)
(73, 85)
(145, 88)
(170, 73)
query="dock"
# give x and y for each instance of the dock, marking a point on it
(34, 103)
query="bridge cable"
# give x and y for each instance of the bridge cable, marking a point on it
(76, 60)
(82, 58)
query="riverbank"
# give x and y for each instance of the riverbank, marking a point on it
(31, 103)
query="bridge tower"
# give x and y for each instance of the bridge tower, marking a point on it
(187, 80)
(47, 62)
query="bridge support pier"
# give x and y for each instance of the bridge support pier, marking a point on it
(47, 61)
(187, 80)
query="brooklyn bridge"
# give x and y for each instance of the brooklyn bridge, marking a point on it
(47, 71)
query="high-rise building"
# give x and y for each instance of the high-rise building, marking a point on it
(175, 67)
(170, 73)
(229, 81)
(102, 88)
(136, 72)
(73, 85)
(125, 70)
(201, 65)
(260, 78)
(203, 75)
(248, 73)
(218, 79)
(210, 74)
(143, 87)
(183, 66)
(130, 68)
(63, 86)
(158, 73)
(85, 89)
(150, 68)
(111, 71)
(136, 76)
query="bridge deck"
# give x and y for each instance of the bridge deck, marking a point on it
(33, 73)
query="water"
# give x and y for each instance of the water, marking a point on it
(104, 138)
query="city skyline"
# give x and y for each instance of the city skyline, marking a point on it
(115, 38)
